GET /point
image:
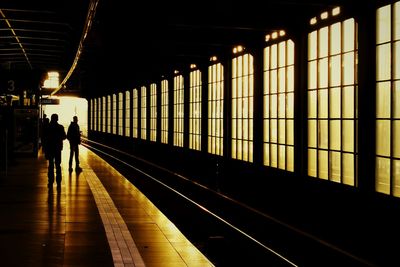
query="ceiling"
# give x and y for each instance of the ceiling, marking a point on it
(130, 43)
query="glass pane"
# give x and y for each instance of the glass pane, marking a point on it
(335, 38)
(348, 135)
(348, 35)
(266, 154)
(348, 102)
(274, 106)
(266, 130)
(396, 100)
(383, 100)
(382, 182)
(323, 42)
(312, 75)
(396, 178)
(281, 105)
(282, 135)
(234, 153)
(274, 56)
(335, 166)
(323, 134)
(282, 157)
(348, 169)
(383, 62)
(266, 82)
(312, 130)
(396, 60)
(335, 103)
(383, 24)
(336, 67)
(290, 106)
(323, 73)
(396, 138)
(396, 21)
(290, 52)
(312, 45)
(323, 103)
(383, 137)
(348, 68)
(274, 131)
(274, 81)
(266, 106)
(312, 162)
(282, 79)
(335, 134)
(282, 54)
(289, 132)
(312, 104)
(323, 164)
(266, 58)
(289, 157)
(290, 79)
(274, 155)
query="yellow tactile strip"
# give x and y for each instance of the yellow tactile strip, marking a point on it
(123, 248)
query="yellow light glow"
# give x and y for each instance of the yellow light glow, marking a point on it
(324, 15)
(267, 37)
(193, 66)
(274, 35)
(176, 71)
(238, 49)
(213, 59)
(282, 33)
(336, 11)
(313, 21)
(69, 107)
(52, 80)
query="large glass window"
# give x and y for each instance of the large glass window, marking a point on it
(114, 114)
(388, 100)
(104, 114)
(216, 109)
(108, 127)
(92, 114)
(332, 102)
(127, 113)
(164, 111)
(143, 115)
(279, 105)
(153, 112)
(120, 113)
(195, 110)
(178, 110)
(135, 113)
(242, 107)
(100, 113)
(95, 114)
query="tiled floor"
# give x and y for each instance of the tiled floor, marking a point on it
(98, 218)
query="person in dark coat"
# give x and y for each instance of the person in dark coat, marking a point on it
(54, 144)
(74, 138)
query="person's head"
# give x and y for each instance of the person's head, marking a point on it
(75, 118)
(54, 117)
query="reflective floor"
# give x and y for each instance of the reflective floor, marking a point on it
(97, 218)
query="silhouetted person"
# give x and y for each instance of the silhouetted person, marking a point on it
(74, 138)
(54, 143)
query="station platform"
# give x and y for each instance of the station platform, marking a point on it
(97, 218)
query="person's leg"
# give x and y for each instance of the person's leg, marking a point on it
(57, 160)
(71, 156)
(50, 171)
(77, 156)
